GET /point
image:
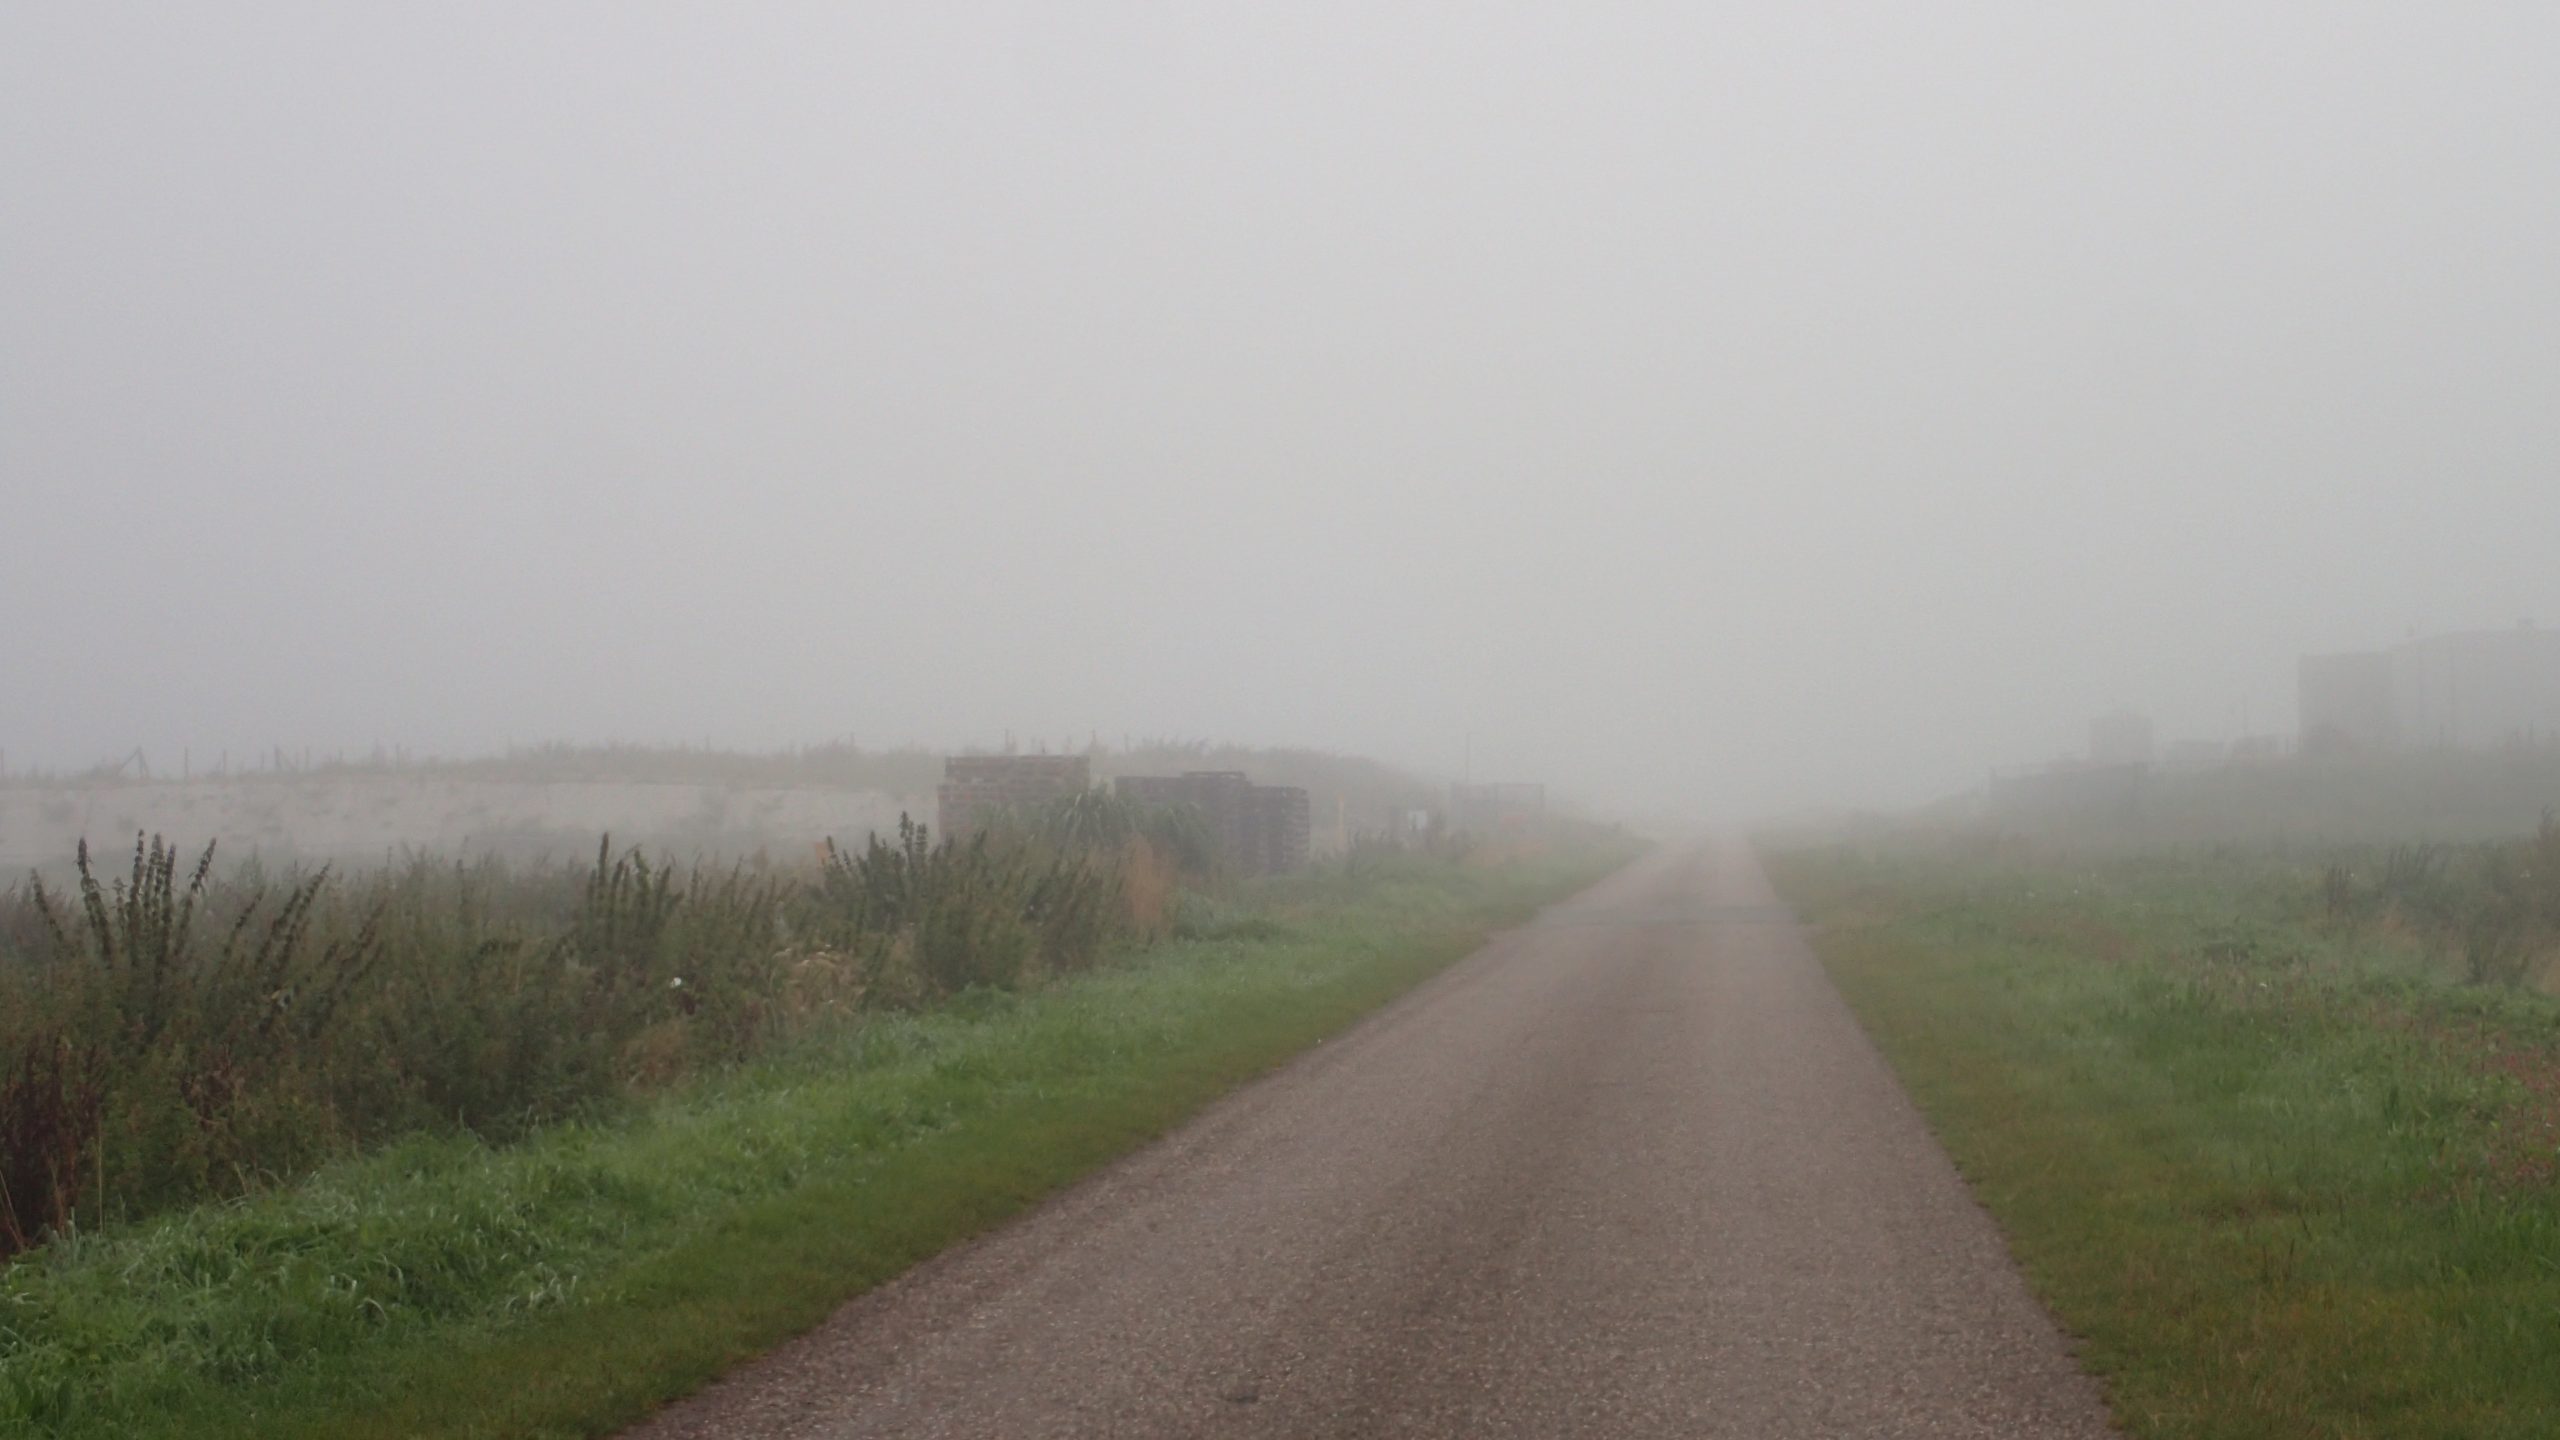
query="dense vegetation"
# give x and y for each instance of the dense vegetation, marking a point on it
(175, 1033)
(560, 1283)
(2274, 1130)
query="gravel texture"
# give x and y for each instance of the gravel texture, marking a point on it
(1631, 1170)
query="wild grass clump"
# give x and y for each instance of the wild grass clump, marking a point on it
(2491, 910)
(995, 910)
(177, 1032)
(188, 1034)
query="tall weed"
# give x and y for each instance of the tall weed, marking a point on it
(177, 1032)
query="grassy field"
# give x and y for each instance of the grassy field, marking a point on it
(2255, 1140)
(2429, 796)
(563, 1284)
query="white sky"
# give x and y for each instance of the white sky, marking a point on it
(1713, 406)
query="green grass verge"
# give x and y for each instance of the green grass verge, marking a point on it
(564, 1285)
(2279, 1181)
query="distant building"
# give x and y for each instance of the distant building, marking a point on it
(2475, 690)
(2068, 792)
(977, 788)
(1258, 829)
(1280, 829)
(2121, 738)
(1491, 806)
(2258, 750)
(2348, 703)
(2187, 757)
(2479, 690)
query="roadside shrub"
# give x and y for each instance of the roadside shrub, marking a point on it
(2491, 911)
(175, 1033)
(995, 910)
(191, 1032)
(2415, 880)
(52, 1099)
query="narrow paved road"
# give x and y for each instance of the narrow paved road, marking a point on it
(1632, 1170)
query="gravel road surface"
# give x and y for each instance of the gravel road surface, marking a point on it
(1631, 1170)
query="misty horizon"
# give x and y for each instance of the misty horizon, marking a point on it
(1725, 412)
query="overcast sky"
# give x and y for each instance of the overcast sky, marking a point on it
(1722, 405)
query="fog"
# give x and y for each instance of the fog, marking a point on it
(1726, 408)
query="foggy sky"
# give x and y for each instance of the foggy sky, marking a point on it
(1727, 406)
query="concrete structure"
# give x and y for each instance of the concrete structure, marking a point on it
(1279, 828)
(977, 788)
(2476, 690)
(1258, 829)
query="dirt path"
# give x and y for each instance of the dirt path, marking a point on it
(1632, 1170)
